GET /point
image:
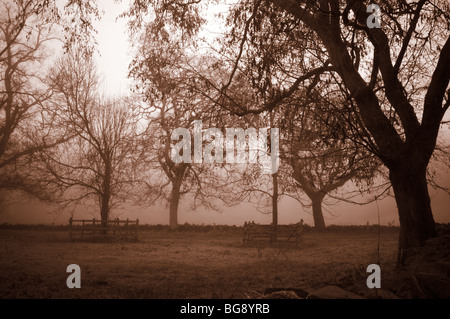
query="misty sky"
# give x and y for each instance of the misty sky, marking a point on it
(113, 60)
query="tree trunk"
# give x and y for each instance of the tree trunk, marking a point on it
(174, 200)
(413, 203)
(319, 221)
(106, 197)
(275, 190)
(275, 199)
(274, 235)
(104, 212)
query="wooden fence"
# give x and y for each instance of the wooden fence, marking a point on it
(98, 230)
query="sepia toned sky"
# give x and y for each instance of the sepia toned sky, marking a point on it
(113, 60)
(114, 49)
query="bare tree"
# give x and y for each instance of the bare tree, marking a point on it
(29, 29)
(23, 94)
(101, 164)
(322, 150)
(170, 88)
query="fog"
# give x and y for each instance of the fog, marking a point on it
(29, 211)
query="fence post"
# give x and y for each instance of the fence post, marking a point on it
(70, 229)
(245, 232)
(82, 229)
(93, 225)
(273, 232)
(136, 228)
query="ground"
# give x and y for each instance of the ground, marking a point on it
(187, 264)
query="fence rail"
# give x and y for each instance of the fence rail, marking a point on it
(95, 229)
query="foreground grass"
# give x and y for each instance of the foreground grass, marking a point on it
(183, 264)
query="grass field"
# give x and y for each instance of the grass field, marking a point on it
(187, 264)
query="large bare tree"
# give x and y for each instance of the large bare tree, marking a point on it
(170, 89)
(384, 71)
(29, 31)
(322, 150)
(101, 165)
(23, 93)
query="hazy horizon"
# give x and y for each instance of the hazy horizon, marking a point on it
(290, 211)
